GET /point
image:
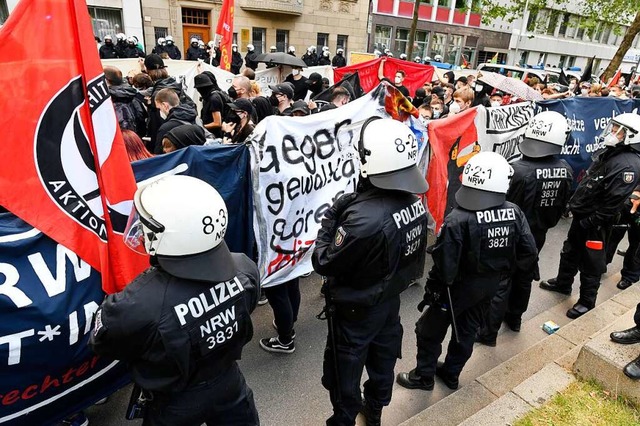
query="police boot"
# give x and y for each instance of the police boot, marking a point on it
(372, 416)
(577, 311)
(449, 379)
(411, 380)
(626, 337)
(552, 285)
(513, 322)
(632, 370)
(624, 284)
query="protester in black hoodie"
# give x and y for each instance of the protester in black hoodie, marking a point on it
(174, 113)
(183, 136)
(213, 102)
(130, 110)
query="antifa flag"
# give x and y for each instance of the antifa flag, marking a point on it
(64, 166)
(351, 83)
(225, 31)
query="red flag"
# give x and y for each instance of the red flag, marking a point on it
(615, 79)
(63, 162)
(225, 31)
(465, 63)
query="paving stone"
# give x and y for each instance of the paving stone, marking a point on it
(579, 331)
(503, 411)
(540, 387)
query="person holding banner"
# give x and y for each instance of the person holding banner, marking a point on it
(482, 241)
(370, 247)
(541, 187)
(595, 205)
(182, 324)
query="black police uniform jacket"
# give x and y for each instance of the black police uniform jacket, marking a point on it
(541, 187)
(175, 333)
(377, 248)
(476, 250)
(609, 181)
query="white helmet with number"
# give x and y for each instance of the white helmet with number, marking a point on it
(182, 221)
(388, 152)
(623, 129)
(545, 135)
(485, 181)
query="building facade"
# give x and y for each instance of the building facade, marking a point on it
(450, 28)
(108, 17)
(263, 23)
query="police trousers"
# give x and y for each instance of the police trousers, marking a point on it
(225, 401)
(576, 256)
(512, 297)
(431, 330)
(631, 263)
(372, 339)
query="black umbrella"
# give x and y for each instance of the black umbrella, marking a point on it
(280, 58)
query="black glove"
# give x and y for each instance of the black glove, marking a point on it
(433, 291)
(332, 215)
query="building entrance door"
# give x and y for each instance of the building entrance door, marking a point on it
(189, 32)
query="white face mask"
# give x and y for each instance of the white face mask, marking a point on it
(610, 140)
(295, 72)
(572, 86)
(163, 115)
(398, 80)
(584, 91)
(478, 87)
(454, 108)
(495, 103)
(436, 113)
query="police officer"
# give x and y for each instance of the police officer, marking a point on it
(370, 246)
(481, 243)
(609, 181)
(121, 45)
(325, 60)
(339, 60)
(108, 50)
(181, 324)
(194, 52)
(310, 58)
(272, 49)
(132, 50)
(159, 48)
(540, 186)
(250, 57)
(236, 59)
(171, 49)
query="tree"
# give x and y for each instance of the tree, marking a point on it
(412, 31)
(594, 12)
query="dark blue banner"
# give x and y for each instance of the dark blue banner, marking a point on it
(587, 119)
(227, 169)
(47, 300)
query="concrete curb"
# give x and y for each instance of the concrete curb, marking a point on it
(511, 386)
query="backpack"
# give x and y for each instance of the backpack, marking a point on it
(126, 116)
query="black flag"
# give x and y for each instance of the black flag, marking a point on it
(586, 75)
(562, 79)
(351, 83)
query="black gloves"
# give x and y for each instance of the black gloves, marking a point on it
(332, 215)
(433, 291)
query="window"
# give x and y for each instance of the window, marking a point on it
(4, 12)
(438, 44)
(195, 16)
(572, 61)
(531, 22)
(258, 39)
(524, 57)
(597, 34)
(422, 44)
(402, 37)
(282, 40)
(572, 26)
(469, 53)
(553, 22)
(461, 4)
(322, 40)
(606, 32)
(106, 21)
(160, 32)
(444, 3)
(563, 59)
(476, 6)
(596, 66)
(541, 59)
(453, 53)
(342, 42)
(382, 38)
(564, 24)
(580, 32)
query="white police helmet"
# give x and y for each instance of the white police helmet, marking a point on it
(340, 50)
(108, 37)
(121, 36)
(234, 45)
(292, 49)
(131, 40)
(417, 59)
(485, 181)
(545, 135)
(403, 56)
(182, 221)
(161, 41)
(194, 40)
(326, 53)
(388, 151)
(622, 130)
(169, 38)
(437, 58)
(273, 48)
(250, 48)
(211, 44)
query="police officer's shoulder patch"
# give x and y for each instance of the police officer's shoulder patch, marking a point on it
(628, 177)
(340, 236)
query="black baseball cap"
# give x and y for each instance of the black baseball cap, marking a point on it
(283, 88)
(242, 104)
(300, 106)
(154, 62)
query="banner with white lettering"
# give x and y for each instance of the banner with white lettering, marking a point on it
(48, 298)
(587, 118)
(301, 165)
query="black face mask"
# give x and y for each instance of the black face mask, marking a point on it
(169, 43)
(108, 42)
(273, 100)
(232, 92)
(204, 91)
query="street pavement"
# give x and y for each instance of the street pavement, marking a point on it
(287, 388)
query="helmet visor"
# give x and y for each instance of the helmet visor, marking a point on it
(613, 134)
(137, 228)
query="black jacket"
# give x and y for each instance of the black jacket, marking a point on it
(130, 110)
(609, 181)
(541, 187)
(375, 249)
(475, 251)
(172, 332)
(250, 60)
(339, 61)
(182, 114)
(155, 121)
(236, 62)
(173, 51)
(324, 61)
(195, 53)
(310, 59)
(108, 51)
(133, 52)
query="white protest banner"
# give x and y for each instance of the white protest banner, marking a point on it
(501, 129)
(300, 166)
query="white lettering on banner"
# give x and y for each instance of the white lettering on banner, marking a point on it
(499, 215)
(208, 300)
(15, 344)
(408, 214)
(575, 124)
(571, 149)
(8, 288)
